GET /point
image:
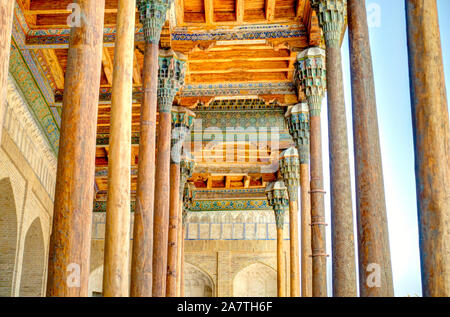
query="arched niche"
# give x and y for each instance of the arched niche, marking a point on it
(33, 265)
(255, 280)
(8, 237)
(197, 283)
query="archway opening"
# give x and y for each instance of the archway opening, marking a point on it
(256, 280)
(32, 280)
(197, 283)
(8, 237)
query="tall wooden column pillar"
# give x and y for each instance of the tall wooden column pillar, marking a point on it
(278, 198)
(310, 73)
(6, 21)
(182, 120)
(331, 19)
(289, 169)
(170, 80)
(70, 242)
(373, 236)
(432, 144)
(298, 123)
(187, 166)
(152, 17)
(117, 232)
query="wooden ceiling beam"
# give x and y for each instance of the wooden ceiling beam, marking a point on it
(179, 12)
(209, 12)
(55, 67)
(240, 11)
(107, 65)
(270, 10)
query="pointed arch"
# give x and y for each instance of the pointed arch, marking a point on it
(198, 283)
(33, 265)
(8, 237)
(255, 280)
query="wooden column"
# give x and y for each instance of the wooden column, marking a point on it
(187, 166)
(281, 274)
(310, 74)
(298, 123)
(278, 198)
(432, 144)
(6, 21)
(117, 232)
(141, 263)
(289, 169)
(182, 120)
(170, 80)
(373, 235)
(332, 19)
(68, 268)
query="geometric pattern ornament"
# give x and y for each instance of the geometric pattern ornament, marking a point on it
(170, 77)
(277, 196)
(182, 121)
(290, 171)
(331, 14)
(310, 76)
(152, 14)
(188, 201)
(297, 118)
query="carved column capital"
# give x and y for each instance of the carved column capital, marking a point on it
(152, 14)
(331, 14)
(297, 118)
(182, 121)
(170, 78)
(290, 170)
(310, 76)
(187, 166)
(187, 203)
(278, 199)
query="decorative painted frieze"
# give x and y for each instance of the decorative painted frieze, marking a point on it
(278, 199)
(297, 118)
(26, 134)
(170, 78)
(331, 15)
(290, 171)
(153, 15)
(310, 76)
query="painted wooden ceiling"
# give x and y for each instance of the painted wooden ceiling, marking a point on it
(235, 48)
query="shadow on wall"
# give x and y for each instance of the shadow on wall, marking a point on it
(8, 237)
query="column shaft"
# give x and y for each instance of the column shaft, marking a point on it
(68, 268)
(182, 290)
(162, 192)
(180, 245)
(174, 221)
(318, 245)
(432, 144)
(373, 238)
(306, 261)
(141, 267)
(117, 232)
(281, 274)
(343, 245)
(6, 20)
(294, 252)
